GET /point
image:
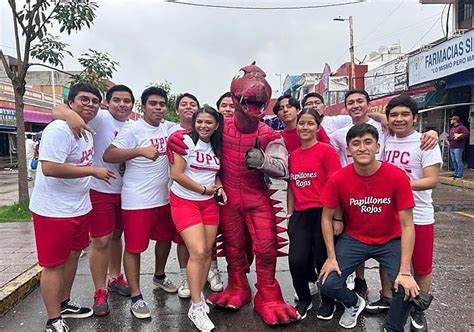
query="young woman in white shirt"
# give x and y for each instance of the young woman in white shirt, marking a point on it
(194, 198)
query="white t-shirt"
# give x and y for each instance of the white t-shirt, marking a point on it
(30, 148)
(174, 128)
(145, 182)
(333, 123)
(338, 140)
(56, 197)
(406, 153)
(106, 128)
(202, 165)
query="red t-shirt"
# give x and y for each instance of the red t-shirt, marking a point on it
(292, 140)
(310, 169)
(370, 203)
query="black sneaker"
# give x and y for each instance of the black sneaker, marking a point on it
(360, 287)
(418, 321)
(58, 325)
(74, 310)
(379, 306)
(326, 311)
(303, 307)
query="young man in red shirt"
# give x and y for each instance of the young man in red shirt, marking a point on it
(286, 108)
(377, 203)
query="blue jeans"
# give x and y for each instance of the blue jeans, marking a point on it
(456, 160)
(350, 253)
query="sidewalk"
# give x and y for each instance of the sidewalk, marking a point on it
(19, 273)
(467, 181)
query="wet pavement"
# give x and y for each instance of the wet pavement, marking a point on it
(451, 309)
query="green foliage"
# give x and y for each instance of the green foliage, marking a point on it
(50, 50)
(170, 114)
(15, 212)
(99, 67)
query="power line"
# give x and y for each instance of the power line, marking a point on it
(427, 32)
(264, 8)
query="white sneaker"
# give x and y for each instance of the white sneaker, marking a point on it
(313, 290)
(214, 280)
(200, 319)
(183, 290)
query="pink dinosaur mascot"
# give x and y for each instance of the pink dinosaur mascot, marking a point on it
(249, 149)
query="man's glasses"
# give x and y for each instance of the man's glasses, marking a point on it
(86, 101)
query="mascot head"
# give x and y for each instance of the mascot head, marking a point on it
(250, 91)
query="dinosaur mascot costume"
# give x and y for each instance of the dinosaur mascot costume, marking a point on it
(249, 149)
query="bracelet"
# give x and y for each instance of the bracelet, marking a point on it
(337, 219)
(406, 274)
(219, 188)
(204, 191)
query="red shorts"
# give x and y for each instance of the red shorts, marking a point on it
(106, 214)
(57, 237)
(422, 258)
(187, 213)
(141, 226)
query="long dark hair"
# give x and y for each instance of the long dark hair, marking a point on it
(216, 137)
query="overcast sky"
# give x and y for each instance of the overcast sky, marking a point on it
(199, 50)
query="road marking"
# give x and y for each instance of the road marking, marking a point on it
(469, 214)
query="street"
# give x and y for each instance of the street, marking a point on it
(450, 310)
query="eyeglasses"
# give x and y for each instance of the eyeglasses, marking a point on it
(86, 101)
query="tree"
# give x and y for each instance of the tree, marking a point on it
(32, 40)
(170, 115)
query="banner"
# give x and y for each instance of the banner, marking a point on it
(450, 57)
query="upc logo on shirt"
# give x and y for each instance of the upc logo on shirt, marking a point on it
(86, 155)
(368, 204)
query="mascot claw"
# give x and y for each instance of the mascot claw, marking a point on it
(235, 296)
(269, 305)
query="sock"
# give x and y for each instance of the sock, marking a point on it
(64, 303)
(136, 298)
(198, 305)
(214, 265)
(160, 276)
(52, 320)
(182, 273)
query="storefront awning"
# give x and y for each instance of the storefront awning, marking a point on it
(37, 117)
(443, 107)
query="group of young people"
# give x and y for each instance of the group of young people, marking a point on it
(101, 175)
(119, 180)
(365, 195)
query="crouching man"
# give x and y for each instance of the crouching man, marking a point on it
(376, 201)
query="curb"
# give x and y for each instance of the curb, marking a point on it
(457, 183)
(18, 288)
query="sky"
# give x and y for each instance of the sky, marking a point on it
(199, 49)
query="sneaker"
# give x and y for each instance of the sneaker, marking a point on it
(200, 318)
(101, 305)
(140, 309)
(30, 178)
(418, 321)
(349, 317)
(74, 310)
(214, 280)
(313, 290)
(381, 305)
(360, 287)
(118, 285)
(183, 290)
(326, 311)
(58, 325)
(303, 308)
(165, 284)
